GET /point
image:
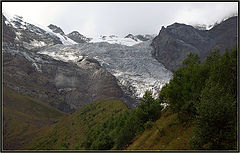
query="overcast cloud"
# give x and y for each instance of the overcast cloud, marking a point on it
(105, 18)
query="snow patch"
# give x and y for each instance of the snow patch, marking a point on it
(112, 39)
(38, 43)
(66, 57)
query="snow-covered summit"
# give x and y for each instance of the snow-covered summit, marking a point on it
(34, 35)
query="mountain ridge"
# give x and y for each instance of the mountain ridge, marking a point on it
(174, 42)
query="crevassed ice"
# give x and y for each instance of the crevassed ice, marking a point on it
(133, 66)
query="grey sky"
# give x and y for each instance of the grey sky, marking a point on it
(105, 18)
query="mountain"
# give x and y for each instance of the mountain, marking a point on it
(173, 43)
(132, 37)
(66, 86)
(139, 37)
(133, 66)
(88, 71)
(33, 35)
(60, 34)
(17, 31)
(57, 87)
(69, 39)
(77, 37)
(56, 29)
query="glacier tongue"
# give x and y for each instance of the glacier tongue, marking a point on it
(134, 66)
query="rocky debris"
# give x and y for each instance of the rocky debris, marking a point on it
(77, 37)
(173, 43)
(63, 85)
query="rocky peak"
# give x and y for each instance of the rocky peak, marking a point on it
(56, 29)
(139, 37)
(131, 36)
(143, 38)
(77, 37)
(173, 43)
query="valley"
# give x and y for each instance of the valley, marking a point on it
(139, 92)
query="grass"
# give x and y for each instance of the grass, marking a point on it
(70, 131)
(28, 125)
(23, 116)
(167, 133)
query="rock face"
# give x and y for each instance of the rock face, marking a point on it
(132, 37)
(173, 43)
(66, 86)
(56, 29)
(30, 35)
(7, 30)
(77, 37)
(139, 37)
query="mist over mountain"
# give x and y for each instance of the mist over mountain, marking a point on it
(61, 87)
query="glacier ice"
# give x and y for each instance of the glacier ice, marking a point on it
(133, 66)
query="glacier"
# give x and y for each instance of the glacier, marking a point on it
(133, 66)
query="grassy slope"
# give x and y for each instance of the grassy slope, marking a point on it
(22, 118)
(166, 134)
(71, 131)
(28, 125)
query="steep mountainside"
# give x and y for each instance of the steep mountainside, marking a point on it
(133, 66)
(32, 35)
(173, 43)
(29, 35)
(8, 32)
(66, 86)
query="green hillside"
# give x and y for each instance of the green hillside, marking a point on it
(201, 115)
(167, 133)
(23, 116)
(202, 110)
(70, 132)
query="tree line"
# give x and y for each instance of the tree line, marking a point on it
(203, 93)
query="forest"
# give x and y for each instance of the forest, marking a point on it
(203, 94)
